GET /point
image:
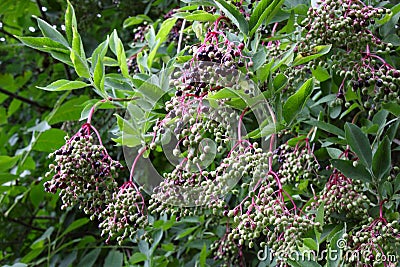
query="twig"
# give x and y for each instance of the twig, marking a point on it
(23, 99)
(26, 225)
(181, 37)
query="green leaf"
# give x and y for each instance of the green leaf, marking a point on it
(50, 32)
(114, 259)
(382, 159)
(310, 243)
(137, 257)
(198, 15)
(98, 75)
(263, 13)
(327, 127)
(186, 232)
(393, 108)
(44, 44)
(347, 168)
(336, 248)
(297, 101)
(132, 21)
(203, 256)
(7, 162)
(320, 214)
(161, 37)
(75, 225)
(319, 50)
(70, 21)
(320, 74)
(69, 111)
(234, 15)
(64, 85)
(359, 143)
(80, 65)
(90, 258)
(50, 140)
(117, 48)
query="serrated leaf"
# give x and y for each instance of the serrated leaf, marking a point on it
(80, 65)
(64, 85)
(50, 140)
(137, 257)
(297, 101)
(75, 225)
(132, 21)
(359, 143)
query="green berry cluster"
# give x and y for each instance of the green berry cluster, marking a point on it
(84, 173)
(124, 214)
(296, 164)
(374, 244)
(343, 199)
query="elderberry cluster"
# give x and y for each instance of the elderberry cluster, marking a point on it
(342, 199)
(84, 173)
(373, 243)
(124, 214)
(296, 164)
(345, 25)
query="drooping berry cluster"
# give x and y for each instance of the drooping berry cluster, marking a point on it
(355, 52)
(84, 173)
(296, 164)
(342, 199)
(374, 244)
(124, 214)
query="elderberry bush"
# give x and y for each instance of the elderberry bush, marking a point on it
(249, 126)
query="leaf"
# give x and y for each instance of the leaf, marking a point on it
(117, 48)
(320, 214)
(393, 108)
(186, 232)
(161, 37)
(69, 111)
(7, 162)
(198, 15)
(320, 50)
(50, 140)
(98, 75)
(320, 74)
(263, 13)
(359, 143)
(89, 259)
(80, 65)
(75, 225)
(310, 243)
(44, 44)
(382, 159)
(203, 256)
(114, 259)
(327, 127)
(64, 85)
(347, 168)
(335, 248)
(48, 31)
(137, 257)
(234, 15)
(70, 21)
(296, 102)
(132, 21)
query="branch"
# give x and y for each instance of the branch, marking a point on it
(23, 99)
(26, 225)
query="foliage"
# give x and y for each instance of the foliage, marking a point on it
(284, 114)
